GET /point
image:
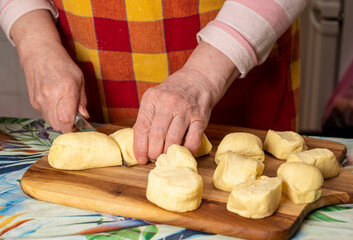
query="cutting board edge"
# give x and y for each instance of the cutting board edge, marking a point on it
(42, 196)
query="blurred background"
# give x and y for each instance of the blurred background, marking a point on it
(14, 101)
(326, 97)
(326, 35)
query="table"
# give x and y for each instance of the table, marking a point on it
(24, 141)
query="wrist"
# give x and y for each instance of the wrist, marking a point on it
(214, 66)
(34, 31)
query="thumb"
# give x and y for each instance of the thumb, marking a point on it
(82, 105)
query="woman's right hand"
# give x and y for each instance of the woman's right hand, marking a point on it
(55, 83)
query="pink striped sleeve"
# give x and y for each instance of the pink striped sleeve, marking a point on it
(245, 31)
(11, 10)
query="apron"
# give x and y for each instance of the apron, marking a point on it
(126, 47)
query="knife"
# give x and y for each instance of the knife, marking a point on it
(82, 124)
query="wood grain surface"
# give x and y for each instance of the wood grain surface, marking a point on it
(121, 191)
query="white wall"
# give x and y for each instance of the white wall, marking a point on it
(14, 101)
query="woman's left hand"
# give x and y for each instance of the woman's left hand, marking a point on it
(181, 106)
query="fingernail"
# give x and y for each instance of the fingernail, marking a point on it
(83, 112)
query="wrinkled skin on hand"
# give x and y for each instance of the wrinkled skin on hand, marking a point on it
(180, 105)
(55, 85)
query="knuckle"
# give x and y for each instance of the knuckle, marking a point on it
(68, 85)
(156, 133)
(45, 94)
(147, 94)
(142, 126)
(173, 99)
(65, 118)
(174, 139)
(170, 100)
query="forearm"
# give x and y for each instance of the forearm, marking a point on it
(215, 66)
(12, 10)
(33, 31)
(245, 31)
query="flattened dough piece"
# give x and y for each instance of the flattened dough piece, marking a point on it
(175, 189)
(321, 158)
(177, 156)
(205, 147)
(257, 198)
(282, 144)
(301, 182)
(82, 150)
(125, 140)
(245, 144)
(235, 169)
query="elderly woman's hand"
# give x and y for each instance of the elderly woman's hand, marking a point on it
(55, 83)
(181, 106)
(182, 103)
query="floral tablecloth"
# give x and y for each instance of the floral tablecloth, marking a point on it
(22, 217)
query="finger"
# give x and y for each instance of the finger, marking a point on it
(141, 130)
(193, 136)
(43, 106)
(52, 119)
(83, 111)
(158, 133)
(82, 106)
(48, 112)
(66, 112)
(176, 131)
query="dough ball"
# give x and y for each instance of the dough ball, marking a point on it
(301, 182)
(125, 140)
(258, 198)
(174, 189)
(82, 150)
(177, 156)
(321, 158)
(282, 144)
(205, 147)
(245, 144)
(235, 169)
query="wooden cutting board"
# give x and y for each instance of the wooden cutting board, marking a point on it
(121, 191)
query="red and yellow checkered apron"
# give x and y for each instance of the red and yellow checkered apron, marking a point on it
(125, 47)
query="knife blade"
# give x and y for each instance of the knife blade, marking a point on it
(82, 124)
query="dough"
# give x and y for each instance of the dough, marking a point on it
(321, 158)
(282, 144)
(174, 189)
(245, 144)
(125, 139)
(301, 182)
(257, 198)
(177, 156)
(234, 169)
(82, 150)
(205, 147)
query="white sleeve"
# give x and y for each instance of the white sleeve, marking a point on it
(11, 10)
